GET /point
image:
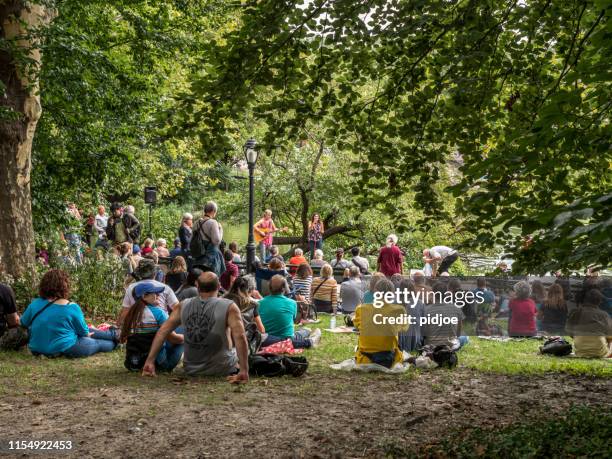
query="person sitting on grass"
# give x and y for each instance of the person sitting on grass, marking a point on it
(177, 274)
(553, 312)
(590, 327)
(215, 340)
(57, 326)
(324, 291)
(297, 259)
(231, 270)
(12, 336)
(278, 314)
(317, 260)
(351, 291)
(189, 289)
(239, 293)
(161, 247)
(166, 300)
(302, 282)
(233, 246)
(138, 330)
(522, 312)
(447, 333)
(147, 247)
(412, 340)
(378, 343)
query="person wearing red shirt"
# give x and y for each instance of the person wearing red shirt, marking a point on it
(231, 271)
(297, 259)
(523, 312)
(390, 258)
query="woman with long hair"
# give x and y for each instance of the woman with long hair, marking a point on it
(177, 274)
(189, 289)
(139, 327)
(553, 312)
(239, 293)
(316, 228)
(57, 326)
(302, 281)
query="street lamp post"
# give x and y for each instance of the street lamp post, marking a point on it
(250, 154)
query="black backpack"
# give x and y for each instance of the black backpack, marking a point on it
(556, 346)
(272, 365)
(196, 245)
(444, 356)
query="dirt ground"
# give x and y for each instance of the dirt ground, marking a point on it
(347, 415)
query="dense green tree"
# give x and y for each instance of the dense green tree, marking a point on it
(516, 92)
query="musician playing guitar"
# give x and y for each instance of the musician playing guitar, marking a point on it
(264, 231)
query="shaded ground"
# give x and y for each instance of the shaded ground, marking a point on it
(320, 415)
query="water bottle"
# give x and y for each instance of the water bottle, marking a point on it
(332, 322)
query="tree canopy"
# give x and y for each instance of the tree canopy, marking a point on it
(516, 92)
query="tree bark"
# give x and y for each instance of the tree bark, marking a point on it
(19, 113)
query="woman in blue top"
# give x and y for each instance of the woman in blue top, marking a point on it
(139, 327)
(57, 326)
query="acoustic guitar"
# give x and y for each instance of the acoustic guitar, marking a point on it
(266, 231)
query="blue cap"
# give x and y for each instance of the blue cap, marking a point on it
(142, 288)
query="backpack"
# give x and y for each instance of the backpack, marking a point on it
(272, 365)
(306, 311)
(556, 346)
(444, 356)
(196, 245)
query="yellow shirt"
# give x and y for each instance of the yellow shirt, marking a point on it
(377, 337)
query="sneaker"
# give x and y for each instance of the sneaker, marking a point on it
(315, 337)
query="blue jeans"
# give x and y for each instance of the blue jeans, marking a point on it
(314, 246)
(169, 357)
(300, 340)
(463, 340)
(263, 248)
(100, 341)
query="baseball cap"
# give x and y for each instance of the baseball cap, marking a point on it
(142, 288)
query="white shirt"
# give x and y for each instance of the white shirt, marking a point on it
(165, 300)
(441, 251)
(100, 224)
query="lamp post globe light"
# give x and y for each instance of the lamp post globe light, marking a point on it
(250, 155)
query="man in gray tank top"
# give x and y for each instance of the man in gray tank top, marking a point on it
(208, 323)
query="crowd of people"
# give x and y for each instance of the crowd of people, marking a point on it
(201, 309)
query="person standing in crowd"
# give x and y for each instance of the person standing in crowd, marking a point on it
(553, 312)
(71, 233)
(352, 291)
(265, 229)
(185, 233)
(523, 312)
(12, 336)
(177, 274)
(590, 327)
(316, 228)
(390, 258)
(138, 330)
(176, 250)
(362, 263)
(412, 340)
(89, 231)
(297, 259)
(161, 248)
(440, 258)
(101, 221)
(324, 291)
(339, 262)
(231, 271)
(57, 326)
(215, 340)
(210, 233)
(122, 227)
(278, 313)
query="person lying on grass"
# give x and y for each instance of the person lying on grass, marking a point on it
(591, 327)
(140, 325)
(211, 324)
(57, 326)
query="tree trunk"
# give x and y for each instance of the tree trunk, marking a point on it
(19, 113)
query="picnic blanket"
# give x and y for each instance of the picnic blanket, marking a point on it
(504, 339)
(282, 347)
(350, 365)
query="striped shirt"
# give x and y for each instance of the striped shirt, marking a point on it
(326, 289)
(152, 318)
(302, 287)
